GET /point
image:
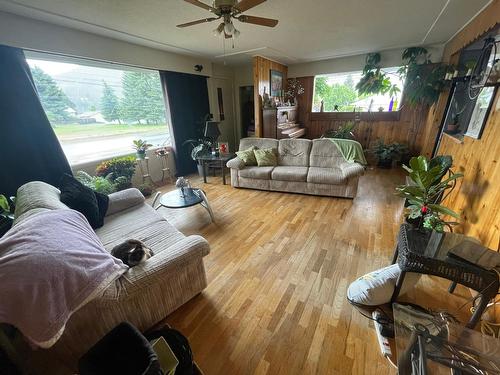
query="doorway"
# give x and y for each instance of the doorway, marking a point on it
(223, 95)
(247, 111)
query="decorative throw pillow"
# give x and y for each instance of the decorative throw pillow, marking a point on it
(266, 157)
(91, 204)
(376, 288)
(248, 156)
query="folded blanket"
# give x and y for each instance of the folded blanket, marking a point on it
(51, 265)
(351, 150)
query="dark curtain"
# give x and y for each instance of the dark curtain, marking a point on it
(187, 96)
(29, 150)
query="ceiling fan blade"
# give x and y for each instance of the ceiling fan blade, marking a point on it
(202, 5)
(269, 22)
(204, 20)
(244, 5)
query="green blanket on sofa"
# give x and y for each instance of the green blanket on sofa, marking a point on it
(350, 150)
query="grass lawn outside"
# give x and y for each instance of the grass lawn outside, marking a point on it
(77, 131)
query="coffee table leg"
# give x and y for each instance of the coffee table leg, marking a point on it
(206, 205)
(157, 195)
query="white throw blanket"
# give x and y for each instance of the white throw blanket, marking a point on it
(51, 264)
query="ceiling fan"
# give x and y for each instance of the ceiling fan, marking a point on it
(227, 10)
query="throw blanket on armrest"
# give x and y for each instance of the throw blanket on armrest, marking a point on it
(51, 264)
(351, 150)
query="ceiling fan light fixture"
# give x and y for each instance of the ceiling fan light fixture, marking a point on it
(229, 28)
(218, 31)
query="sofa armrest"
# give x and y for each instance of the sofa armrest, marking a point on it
(157, 267)
(121, 200)
(351, 169)
(236, 163)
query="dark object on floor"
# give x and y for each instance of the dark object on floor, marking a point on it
(179, 345)
(132, 252)
(91, 204)
(124, 350)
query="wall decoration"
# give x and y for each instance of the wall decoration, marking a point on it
(220, 100)
(276, 80)
(480, 113)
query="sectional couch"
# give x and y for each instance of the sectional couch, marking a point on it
(309, 167)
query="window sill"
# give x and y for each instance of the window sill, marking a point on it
(362, 116)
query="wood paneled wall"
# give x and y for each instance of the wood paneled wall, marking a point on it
(405, 126)
(261, 74)
(477, 197)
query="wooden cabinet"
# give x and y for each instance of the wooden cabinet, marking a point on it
(281, 122)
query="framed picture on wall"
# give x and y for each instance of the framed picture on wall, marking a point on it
(276, 83)
(480, 112)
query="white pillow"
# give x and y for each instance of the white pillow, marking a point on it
(376, 288)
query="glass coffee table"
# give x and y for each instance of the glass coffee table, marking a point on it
(190, 197)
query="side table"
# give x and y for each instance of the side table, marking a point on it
(222, 159)
(425, 253)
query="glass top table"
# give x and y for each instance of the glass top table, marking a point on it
(218, 161)
(187, 197)
(455, 257)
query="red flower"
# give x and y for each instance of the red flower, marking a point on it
(425, 209)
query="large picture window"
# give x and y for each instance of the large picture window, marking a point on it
(98, 109)
(338, 93)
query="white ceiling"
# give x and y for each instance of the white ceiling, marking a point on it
(307, 30)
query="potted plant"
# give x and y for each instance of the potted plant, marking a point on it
(452, 127)
(6, 216)
(426, 189)
(373, 80)
(345, 131)
(200, 147)
(140, 146)
(387, 154)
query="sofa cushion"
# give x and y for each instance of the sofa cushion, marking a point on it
(91, 204)
(248, 156)
(294, 152)
(266, 157)
(325, 154)
(331, 176)
(246, 143)
(261, 173)
(34, 197)
(285, 173)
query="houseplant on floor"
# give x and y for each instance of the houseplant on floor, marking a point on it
(430, 183)
(387, 154)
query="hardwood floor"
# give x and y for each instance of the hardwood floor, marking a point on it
(278, 272)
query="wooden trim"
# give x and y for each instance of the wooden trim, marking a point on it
(359, 116)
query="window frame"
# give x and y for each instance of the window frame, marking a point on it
(103, 64)
(358, 115)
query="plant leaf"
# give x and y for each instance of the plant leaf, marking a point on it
(444, 210)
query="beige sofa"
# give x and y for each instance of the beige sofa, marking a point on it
(145, 294)
(304, 166)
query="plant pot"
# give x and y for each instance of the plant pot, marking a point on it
(384, 163)
(141, 155)
(200, 169)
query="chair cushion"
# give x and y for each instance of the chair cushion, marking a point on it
(261, 173)
(332, 176)
(294, 152)
(248, 156)
(266, 157)
(283, 173)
